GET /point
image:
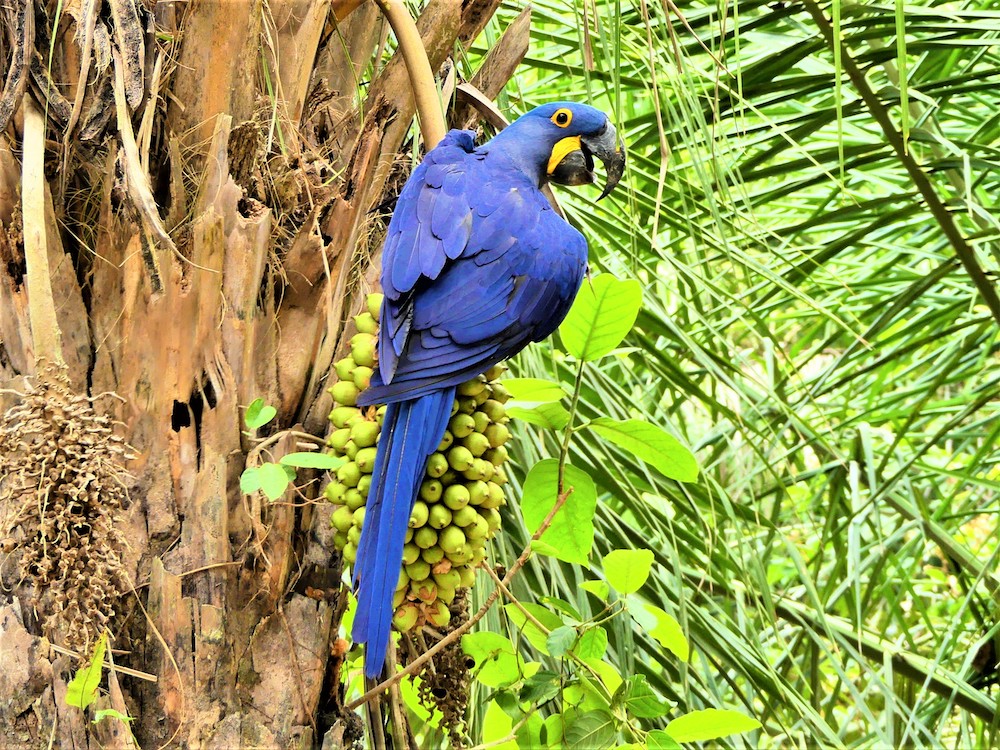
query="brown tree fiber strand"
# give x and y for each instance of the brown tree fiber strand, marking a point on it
(45, 335)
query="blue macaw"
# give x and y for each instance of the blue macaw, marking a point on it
(475, 266)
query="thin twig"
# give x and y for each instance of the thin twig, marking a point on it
(107, 664)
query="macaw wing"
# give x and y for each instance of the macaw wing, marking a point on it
(431, 224)
(513, 285)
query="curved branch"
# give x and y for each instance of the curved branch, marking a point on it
(418, 67)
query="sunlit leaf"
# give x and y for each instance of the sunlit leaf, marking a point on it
(553, 416)
(312, 460)
(497, 725)
(650, 443)
(274, 479)
(603, 312)
(627, 569)
(530, 631)
(82, 689)
(710, 724)
(560, 640)
(571, 533)
(534, 389)
(593, 730)
(497, 662)
(258, 414)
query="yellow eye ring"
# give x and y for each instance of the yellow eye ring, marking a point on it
(562, 117)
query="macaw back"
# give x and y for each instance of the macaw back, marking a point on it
(476, 265)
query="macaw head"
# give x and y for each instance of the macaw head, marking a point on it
(558, 143)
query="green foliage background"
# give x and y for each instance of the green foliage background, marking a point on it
(809, 331)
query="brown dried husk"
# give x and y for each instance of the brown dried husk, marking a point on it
(62, 494)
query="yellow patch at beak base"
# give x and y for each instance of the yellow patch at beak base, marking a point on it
(561, 150)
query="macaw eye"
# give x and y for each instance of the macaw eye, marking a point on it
(562, 117)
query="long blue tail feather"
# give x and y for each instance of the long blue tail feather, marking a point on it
(411, 430)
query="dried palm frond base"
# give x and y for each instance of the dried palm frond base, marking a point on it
(62, 493)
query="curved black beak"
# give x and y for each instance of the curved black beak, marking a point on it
(608, 147)
(577, 166)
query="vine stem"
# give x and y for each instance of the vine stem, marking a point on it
(458, 632)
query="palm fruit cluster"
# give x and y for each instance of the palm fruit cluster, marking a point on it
(457, 510)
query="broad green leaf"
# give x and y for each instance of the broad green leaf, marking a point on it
(545, 616)
(258, 414)
(609, 675)
(627, 569)
(274, 479)
(653, 445)
(660, 740)
(710, 724)
(497, 725)
(599, 589)
(571, 533)
(540, 688)
(82, 689)
(110, 713)
(561, 605)
(639, 699)
(593, 730)
(603, 312)
(534, 389)
(552, 416)
(312, 460)
(497, 662)
(530, 732)
(668, 633)
(593, 643)
(552, 730)
(250, 480)
(560, 640)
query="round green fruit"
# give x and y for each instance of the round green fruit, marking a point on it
(363, 349)
(462, 425)
(366, 323)
(451, 540)
(342, 519)
(437, 615)
(366, 459)
(341, 414)
(418, 570)
(425, 537)
(456, 496)
(433, 555)
(344, 369)
(464, 516)
(439, 516)
(418, 514)
(374, 304)
(345, 393)
(430, 490)
(405, 617)
(437, 465)
(460, 458)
